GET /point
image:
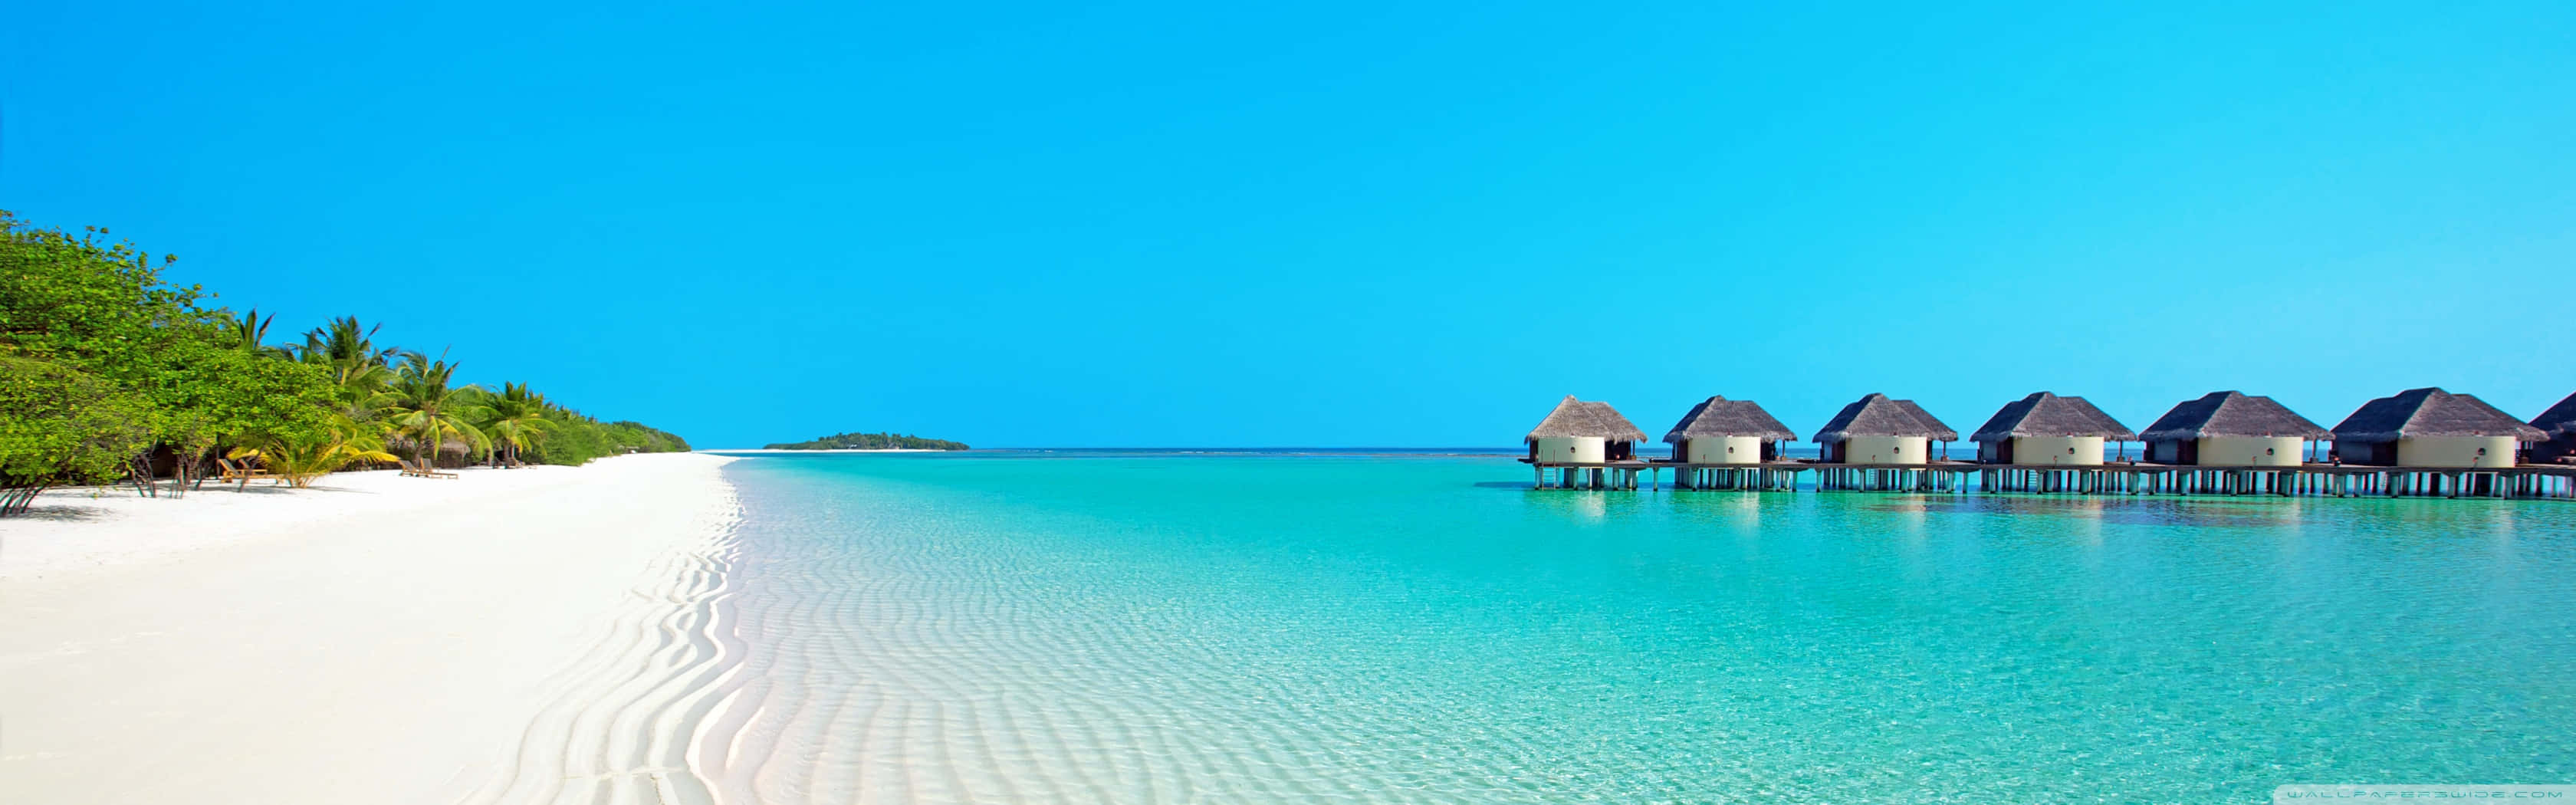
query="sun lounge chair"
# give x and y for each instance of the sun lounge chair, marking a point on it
(422, 470)
(243, 472)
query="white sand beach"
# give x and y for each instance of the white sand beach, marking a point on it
(509, 635)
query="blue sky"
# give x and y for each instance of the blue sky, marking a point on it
(1354, 224)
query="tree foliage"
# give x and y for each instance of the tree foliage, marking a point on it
(572, 438)
(105, 361)
(428, 407)
(301, 459)
(514, 419)
(871, 441)
(60, 424)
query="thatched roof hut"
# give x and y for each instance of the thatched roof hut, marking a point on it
(2559, 424)
(2046, 414)
(2429, 427)
(2559, 420)
(2231, 413)
(453, 451)
(1878, 415)
(403, 445)
(1719, 417)
(1723, 431)
(2231, 429)
(1621, 429)
(1583, 432)
(1576, 419)
(1570, 419)
(2431, 413)
(1944, 434)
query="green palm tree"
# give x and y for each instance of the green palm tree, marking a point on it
(303, 459)
(426, 407)
(250, 331)
(514, 419)
(361, 372)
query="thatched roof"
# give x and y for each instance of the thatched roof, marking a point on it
(2045, 414)
(1621, 429)
(1719, 416)
(2430, 412)
(1942, 430)
(1578, 419)
(404, 444)
(1876, 415)
(2560, 420)
(2230, 413)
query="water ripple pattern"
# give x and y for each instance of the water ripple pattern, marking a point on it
(949, 629)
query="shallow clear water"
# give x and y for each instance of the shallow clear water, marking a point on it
(1022, 628)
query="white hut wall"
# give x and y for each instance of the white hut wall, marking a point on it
(1572, 449)
(2481, 452)
(1722, 450)
(2079, 451)
(1885, 449)
(2250, 451)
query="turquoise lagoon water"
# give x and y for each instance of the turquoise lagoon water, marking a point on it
(1253, 629)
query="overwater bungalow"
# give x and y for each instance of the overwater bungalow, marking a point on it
(2559, 424)
(1581, 432)
(2044, 428)
(1723, 431)
(1626, 431)
(2231, 429)
(1879, 430)
(2430, 427)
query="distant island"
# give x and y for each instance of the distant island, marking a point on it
(871, 441)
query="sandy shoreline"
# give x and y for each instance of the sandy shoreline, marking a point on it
(507, 636)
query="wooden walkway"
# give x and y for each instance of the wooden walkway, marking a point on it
(2536, 481)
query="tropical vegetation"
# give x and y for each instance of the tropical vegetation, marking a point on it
(871, 441)
(109, 374)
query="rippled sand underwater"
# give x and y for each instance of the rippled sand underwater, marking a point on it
(1286, 630)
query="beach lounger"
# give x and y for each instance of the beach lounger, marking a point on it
(243, 472)
(422, 470)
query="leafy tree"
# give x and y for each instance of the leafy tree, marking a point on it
(105, 357)
(60, 424)
(207, 391)
(871, 441)
(103, 309)
(98, 308)
(572, 438)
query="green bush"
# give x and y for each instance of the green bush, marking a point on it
(104, 361)
(870, 441)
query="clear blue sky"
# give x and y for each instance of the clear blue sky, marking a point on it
(1318, 224)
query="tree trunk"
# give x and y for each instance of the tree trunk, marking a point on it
(16, 500)
(182, 467)
(139, 468)
(197, 469)
(426, 452)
